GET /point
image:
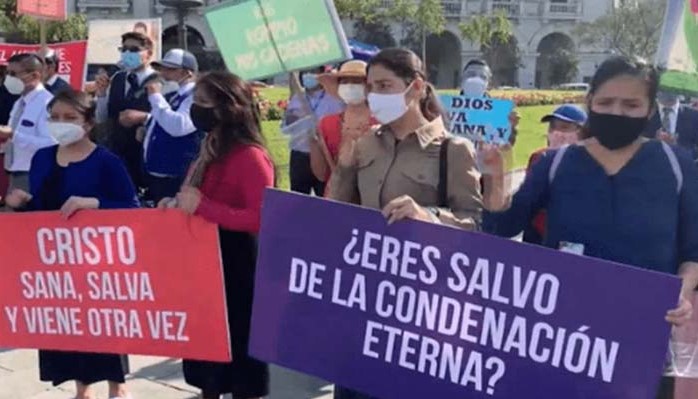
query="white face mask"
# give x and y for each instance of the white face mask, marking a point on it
(557, 139)
(66, 133)
(387, 108)
(352, 93)
(14, 85)
(474, 87)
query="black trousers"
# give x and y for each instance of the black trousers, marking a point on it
(162, 187)
(344, 393)
(666, 388)
(302, 178)
(666, 391)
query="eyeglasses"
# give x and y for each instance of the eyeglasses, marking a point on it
(130, 49)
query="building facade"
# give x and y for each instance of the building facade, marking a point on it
(200, 37)
(539, 26)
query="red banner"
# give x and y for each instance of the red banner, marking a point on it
(48, 9)
(145, 282)
(71, 58)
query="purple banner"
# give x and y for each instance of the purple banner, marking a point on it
(417, 310)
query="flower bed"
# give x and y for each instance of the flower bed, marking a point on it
(272, 106)
(524, 98)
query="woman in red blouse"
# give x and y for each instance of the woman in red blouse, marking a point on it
(225, 187)
(348, 84)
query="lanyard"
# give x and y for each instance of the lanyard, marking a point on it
(317, 103)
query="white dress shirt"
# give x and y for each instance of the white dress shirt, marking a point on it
(673, 118)
(102, 112)
(31, 133)
(175, 123)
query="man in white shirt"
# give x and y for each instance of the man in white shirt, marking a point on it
(28, 125)
(123, 101)
(172, 141)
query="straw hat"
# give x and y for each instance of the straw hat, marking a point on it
(350, 69)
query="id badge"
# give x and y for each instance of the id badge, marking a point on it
(572, 248)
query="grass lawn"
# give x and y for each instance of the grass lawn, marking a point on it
(531, 135)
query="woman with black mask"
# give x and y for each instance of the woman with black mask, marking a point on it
(614, 195)
(225, 187)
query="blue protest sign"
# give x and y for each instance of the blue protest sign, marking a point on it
(417, 310)
(480, 119)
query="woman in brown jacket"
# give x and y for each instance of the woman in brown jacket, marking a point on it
(401, 168)
(410, 168)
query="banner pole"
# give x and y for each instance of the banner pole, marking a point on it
(295, 83)
(42, 32)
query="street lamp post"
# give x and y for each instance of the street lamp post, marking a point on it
(182, 8)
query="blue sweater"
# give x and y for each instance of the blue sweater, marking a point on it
(635, 217)
(101, 175)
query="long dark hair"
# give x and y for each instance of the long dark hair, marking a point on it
(622, 66)
(239, 119)
(408, 66)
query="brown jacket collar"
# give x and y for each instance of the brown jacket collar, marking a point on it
(425, 134)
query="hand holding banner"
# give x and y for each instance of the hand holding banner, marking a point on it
(421, 310)
(113, 282)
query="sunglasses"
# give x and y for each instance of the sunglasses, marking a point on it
(131, 49)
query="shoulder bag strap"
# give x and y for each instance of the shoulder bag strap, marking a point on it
(443, 173)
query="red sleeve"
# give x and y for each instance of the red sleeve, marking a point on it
(324, 126)
(256, 173)
(534, 157)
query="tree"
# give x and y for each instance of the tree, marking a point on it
(377, 33)
(23, 29)
(487, 29)
(504, 58)
(631, 29)
(430, 20)
(562, 66)
(365, 11)
(494, 34)
(418, 18)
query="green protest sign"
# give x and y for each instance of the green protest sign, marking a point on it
(677, 54)
(261, 38)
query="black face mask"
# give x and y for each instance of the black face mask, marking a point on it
(204, 118)
(615, 131)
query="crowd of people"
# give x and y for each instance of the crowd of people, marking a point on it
(617, 181)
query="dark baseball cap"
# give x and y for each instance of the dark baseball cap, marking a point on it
(568, 113)
(178, 59)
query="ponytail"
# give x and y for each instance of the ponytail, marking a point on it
(430, 104)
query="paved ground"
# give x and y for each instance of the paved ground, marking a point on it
(152, 378)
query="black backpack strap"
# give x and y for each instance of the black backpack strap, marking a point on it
(443, 173)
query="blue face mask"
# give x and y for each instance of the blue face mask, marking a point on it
(131, 60)
(310, 81)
